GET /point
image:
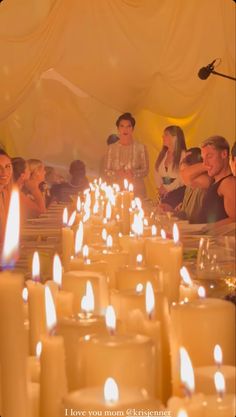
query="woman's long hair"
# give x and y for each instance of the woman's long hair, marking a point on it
(180, 146)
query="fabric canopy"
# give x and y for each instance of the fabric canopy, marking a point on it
(69, 67)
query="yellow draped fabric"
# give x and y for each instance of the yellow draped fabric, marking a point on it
(69, 67)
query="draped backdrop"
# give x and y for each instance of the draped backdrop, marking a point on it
(68, 68)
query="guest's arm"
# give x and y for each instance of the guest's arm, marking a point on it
(190, 172)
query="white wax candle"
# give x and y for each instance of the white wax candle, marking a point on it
(33, 390)
(128, 277)
(67, 246)
(194, 406)
(33, 369)
(192, 323)
(220, 407)
(204, 378)
(12, 346)
(37, 316)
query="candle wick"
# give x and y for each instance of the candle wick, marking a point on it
(186, 391)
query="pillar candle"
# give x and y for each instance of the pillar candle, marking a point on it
(33, 390)
(12, 346)
(128, 276)
(194, 406)
(196, 319)
(204, 378)
(37, 317)
(114, 259)
(216, 406)
(134, 245)
(67, 246)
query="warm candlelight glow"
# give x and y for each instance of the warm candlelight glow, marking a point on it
(104, 234)
(139, 258)
(110, 319)
(111, 391)
(145, 222)
(138, 203)
(87, 302)
(201, 292)
(137, 226)
(182, 413)
(131, 188)
(72, 219)
(108, 211)
(87, 202)
(36, 267)
(57, 270)
(218, 355)
(25, 294)
(175, 233)
(51, 317)
(126, 184)
(65, 216)
(85, 251)
(79, 237)
(38, 349)
(78, 204)
(139, 288)
(109, 241)
(86, 215)
(11, 240)
(96, 207)
(163, 234)
(219, 381)
(186, 277)
(154, 230)
(149, 299)
(186, 371)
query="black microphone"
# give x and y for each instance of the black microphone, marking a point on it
(204, 72)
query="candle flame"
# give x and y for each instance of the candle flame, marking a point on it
(145, 222)
(186, 277)
(11, 240)
(131, 188)
(219, 382)
(25, 294)
(65, 216)
(57, 270)
(104, 234)
(154, 230)
(149, 298)
(163, 234)
(137, 226)
(85, 251)
(175, 233)
(38, 350)
(138, 203)
(111, 391)
(126, 184)
(139, 258)
(96, 207)
(87, 302)
(139, 288)
(109, 241)
(110, 318)
(78, 204)
(186, 370)
(87, 202)
(51, 317)
(79, 237)
(36, 267)
(182, 413)
(201, 292)
(86, 215)
(218, 355)
(72, 219)
(108, 211)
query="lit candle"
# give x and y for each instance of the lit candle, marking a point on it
(67, 238)
(63, 299)
(222, 404)
(53, 384)
(192, 403)
(12, 336)
(33, 365)
(202, 312)
(129, 358)
(204, 375)
(110, 400)
(188, 290)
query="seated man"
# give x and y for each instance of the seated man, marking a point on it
(191, 206)
(219, 202)
(79, 182)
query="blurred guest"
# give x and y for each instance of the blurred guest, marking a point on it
(233, 159)
(78, 183)
(32, 200)
(195, 191)
(113, 138)
(127, 158)
(167, 176)
(5, 190)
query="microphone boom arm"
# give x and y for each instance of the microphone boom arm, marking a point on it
(223, 75)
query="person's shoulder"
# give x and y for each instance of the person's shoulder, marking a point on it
(228, 184)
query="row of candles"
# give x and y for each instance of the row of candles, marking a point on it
(155, 326)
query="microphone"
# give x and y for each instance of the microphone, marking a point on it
(204, 72)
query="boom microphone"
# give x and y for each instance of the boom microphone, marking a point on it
(204, 72)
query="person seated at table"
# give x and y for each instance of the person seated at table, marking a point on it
(32, 200)
(167, 176)
(5, 191)
(78, 183)
(233, 159)
(219, 202)
(195, 191)
(127, 158)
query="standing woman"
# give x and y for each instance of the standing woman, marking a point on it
(167, 177)
(127, 158)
